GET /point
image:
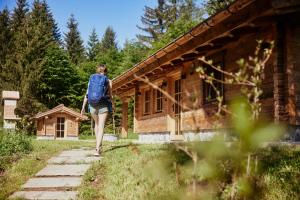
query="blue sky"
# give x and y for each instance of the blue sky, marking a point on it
(122, 15)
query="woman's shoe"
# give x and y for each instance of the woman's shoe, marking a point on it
(97, 153)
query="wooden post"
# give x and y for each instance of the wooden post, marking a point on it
(124, 132)
(279, 75)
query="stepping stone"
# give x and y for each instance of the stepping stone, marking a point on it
(72, 160)
(52, 182)
(43, 195)
(64, 170)
(77, 153)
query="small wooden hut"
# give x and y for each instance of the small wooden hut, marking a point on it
(225, 37)
(59, 123)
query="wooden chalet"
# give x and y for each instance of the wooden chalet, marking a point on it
(225, 37)
(59, 123)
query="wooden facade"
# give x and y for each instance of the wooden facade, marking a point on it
(225, 37)
(9, 100)
(58, 123)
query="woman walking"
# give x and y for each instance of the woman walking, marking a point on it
(99, 97)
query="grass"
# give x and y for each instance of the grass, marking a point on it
(282, 177)
(133, 172)
(125, 172)
(131, 135)
(24, 168)
(87, 137)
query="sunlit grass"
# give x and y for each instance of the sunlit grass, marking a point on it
(124, 173)
(133, 172)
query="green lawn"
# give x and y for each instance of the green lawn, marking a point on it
(133, 172)
(126, 172)
(129, 171)
(21, 170)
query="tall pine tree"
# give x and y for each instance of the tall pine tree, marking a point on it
(153, 21)
(109, 40)
(11, 71)
(158, 20)
(73, 42)
(19, 14)
(34, 39)
(5, 49)
(92, 45)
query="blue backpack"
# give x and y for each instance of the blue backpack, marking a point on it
(97, 89)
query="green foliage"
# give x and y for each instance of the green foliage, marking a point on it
(157, 21)
(178, 28)
(112, 59)
(108, 41)
(73, 42)
(92, 45)
(153, 22)
(5, 48)
(59, 81)
(11, 146)
(132, 53)
(214, 6)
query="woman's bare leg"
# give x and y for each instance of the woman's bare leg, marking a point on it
(96, 121)
(101, 123)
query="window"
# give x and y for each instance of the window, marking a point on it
(147, 102)
(177, 96)
(60, 127)
(159, 101)
(209, 93)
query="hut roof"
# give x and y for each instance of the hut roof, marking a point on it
(59, 109)
(10, 94)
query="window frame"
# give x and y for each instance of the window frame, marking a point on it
(147, 102)
(159, 98)
(60, 122)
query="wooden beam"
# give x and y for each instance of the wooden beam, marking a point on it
(208, 47)
(243, 30)
(221, 41)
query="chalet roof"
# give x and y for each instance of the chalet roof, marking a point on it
(10, 94)
(239, 18)
(61, 108)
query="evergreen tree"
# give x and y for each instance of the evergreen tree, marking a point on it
(33, 40)
(153, 22)
(11, 70)
(158, 20)
(108, 41)
(51, 21)
(73, 42)
(58, 80)
(92, 45)
(5, 48)
(176, 9)
(19, 14)
(132, 53)
(214, 6)
(42, 14)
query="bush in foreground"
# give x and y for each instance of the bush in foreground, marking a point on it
(12, 145)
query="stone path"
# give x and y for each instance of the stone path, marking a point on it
(60, 178)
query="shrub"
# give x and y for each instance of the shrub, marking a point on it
(12, 145)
